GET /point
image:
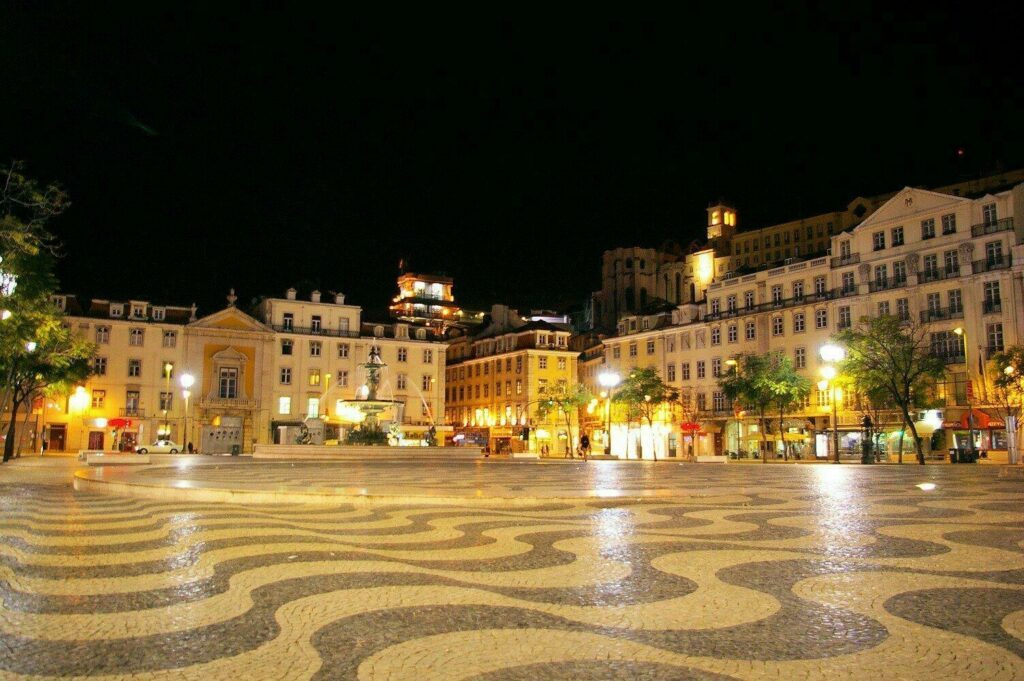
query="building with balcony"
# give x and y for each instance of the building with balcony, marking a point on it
(939, 259)
(497, 378)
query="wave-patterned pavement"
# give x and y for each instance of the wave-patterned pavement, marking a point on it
(749, 572)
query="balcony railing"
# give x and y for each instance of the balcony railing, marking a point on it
(310, 331)
(1004, 225)
(938, 314)
(806, 299)
(990, 306)
(215, 402)
(954, 357)
(843, 260)
(132, 412)
(992, 350)
(885, 284)
(938, 274)
(1000, 262)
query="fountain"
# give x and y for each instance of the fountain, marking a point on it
(369, 406)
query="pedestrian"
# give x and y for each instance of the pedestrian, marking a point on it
(584, 446)
(191, 449)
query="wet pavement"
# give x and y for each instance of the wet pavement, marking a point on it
(605, 570)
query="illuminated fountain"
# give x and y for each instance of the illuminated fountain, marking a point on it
(367, 407)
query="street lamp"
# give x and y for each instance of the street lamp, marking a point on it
(832, 353)
(186, 382)
(1011, 422)
(168, 367)
(962, 332)
(608, 379)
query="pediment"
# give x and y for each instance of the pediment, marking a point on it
(909, 203)
(230, 355)
(231, 319)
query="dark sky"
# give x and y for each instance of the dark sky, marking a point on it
(208, 148)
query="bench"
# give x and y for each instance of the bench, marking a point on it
(97, 458)
(703, 458)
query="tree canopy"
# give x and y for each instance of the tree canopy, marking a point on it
(643, 393)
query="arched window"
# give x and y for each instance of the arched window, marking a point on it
(629, 298)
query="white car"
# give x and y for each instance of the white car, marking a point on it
(159, 447)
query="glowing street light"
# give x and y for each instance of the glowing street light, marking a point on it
(608, 379)
(832, 353)
(5, 315)
(186, 381)
(962, 332)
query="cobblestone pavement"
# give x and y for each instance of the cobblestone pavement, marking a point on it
(747, 572)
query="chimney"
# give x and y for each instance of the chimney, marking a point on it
(314, 297)
(339, 298)
(290, 294)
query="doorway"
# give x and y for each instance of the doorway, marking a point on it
(96, 440)
(58, 435)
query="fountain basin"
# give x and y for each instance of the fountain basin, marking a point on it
(328, 452)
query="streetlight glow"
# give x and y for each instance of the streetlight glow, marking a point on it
(609, 379)
(832, 353)
(187, 380)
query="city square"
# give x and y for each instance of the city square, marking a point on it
(616, 570)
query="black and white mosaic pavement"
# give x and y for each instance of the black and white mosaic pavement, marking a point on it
(728, 572)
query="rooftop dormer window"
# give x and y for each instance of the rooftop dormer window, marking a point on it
(159, 313)
(138, 311)
(116, 310)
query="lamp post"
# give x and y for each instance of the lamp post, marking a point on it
(735, 366)
(962, 332)
(608, 379)
(832, 354)
(1011, 422)
(186, 381)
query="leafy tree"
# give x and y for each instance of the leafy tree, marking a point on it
(760, 383)
(643, 393)
(891, 356)
(1008, 386)
(25, 209)
(873, 403)
(566, 401)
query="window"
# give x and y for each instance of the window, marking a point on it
(883, 308)
(286, 376)
(750, 331)
(897, 236)
(903, 309)
(228, 388)
(714, 306)
(314, 377)
(519, 364)
(315, 348)
(848, 285)
(519, 386)
(702, 402)
(844, 317)
(632, 349)
(994, 332)
(403, 354)
(777, 326)
(561, 363)
(994, 252)
(650, 347)
(286, 346)
(343, 379)
(798, 322)
(165, 401)
(947, 344)
(542, 362)
(798, 290)
(700, 368)
(131, 402)
(158, 314)
(988, 214)
(98, 398)
(927, 228)
(685, 370)
(508, 388)
(170, 339)
(428, 358)
(135, 367)
(116, 310)
(427, 380)
(487, 368)
(931, 266)
(952, 262)
(800, 358)
(820, 319)
(616, 352)
(284, 405)
(315, 324)
(819, 285)
(899, 273)
(949, 224)
(288, 323)
(343, 350)
(313, 407)
(878, 241)
(716, 336)
(136, 336)
(777, 293)
(992, 292)
(956, 303)
(671, 373)
(718, 400)
(102, 335)
(487, 389)
(99, 366)
(401, 381)
(748, 299)
(716, 367)
(733, 333)
(730, 303)
(933, 302)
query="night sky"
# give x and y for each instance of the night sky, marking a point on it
(210, 148)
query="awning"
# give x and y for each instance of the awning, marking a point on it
(982, 421)
(119, 423)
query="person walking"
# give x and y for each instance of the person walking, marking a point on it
(584, 446)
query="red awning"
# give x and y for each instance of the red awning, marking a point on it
(689, 427)
(982, 421)
(120, 423)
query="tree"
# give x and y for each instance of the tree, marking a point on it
(25, 209)
(1008, 388)
(53, 359)
(643, 393)
(872, 403)
(760, 383)
(567, 401)
(892, 357)
(788, 389)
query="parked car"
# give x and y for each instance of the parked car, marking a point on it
(159, 447)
